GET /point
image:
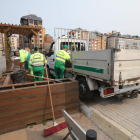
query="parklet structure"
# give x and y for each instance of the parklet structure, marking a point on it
(8, 30)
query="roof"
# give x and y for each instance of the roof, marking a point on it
(18, 29)
(13, 36)
(47, 35)
(31, 16)
(79, 28)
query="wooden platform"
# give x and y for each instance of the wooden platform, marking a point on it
(23, 104)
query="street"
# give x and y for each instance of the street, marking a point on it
(2, 63)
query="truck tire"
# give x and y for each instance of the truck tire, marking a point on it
(84, 93)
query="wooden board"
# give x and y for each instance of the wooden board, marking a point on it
(22, 104)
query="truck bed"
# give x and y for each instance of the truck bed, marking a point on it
(112, 66)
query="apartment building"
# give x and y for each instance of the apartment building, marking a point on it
(79, 33)
(103, 42)
(2, 41)
(123, 42)
(112, 33)
(31, 20)
(47, 42)
(99, 41)
(14, 41)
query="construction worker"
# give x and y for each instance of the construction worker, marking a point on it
(24, 58)
(61, 58)
(36, 64)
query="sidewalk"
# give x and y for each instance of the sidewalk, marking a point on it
(124, 113)
(36, 133)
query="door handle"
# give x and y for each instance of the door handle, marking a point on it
(53, 59)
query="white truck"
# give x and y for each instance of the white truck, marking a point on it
(111, 72)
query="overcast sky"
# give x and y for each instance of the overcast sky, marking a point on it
(101, 15)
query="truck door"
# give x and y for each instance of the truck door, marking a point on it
(51, 58)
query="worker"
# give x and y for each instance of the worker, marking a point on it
(36, 64)
(61, 58)
(24, 58)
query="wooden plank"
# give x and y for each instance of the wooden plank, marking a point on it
(36, 112)
(37, 82)
(55, 89)
(7, 80)
(6, 55)
(34, 98)
(35, 119)
(35, 105)
(35, 39)
(21, 84)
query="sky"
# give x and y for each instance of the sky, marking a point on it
(101, 15)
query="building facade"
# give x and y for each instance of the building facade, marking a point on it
(123, 42)
(31, 20)
(96, 40)
(14, 41)
(99, 42)
(47, 42)
(79, 33)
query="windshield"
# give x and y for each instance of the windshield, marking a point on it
(72, 44)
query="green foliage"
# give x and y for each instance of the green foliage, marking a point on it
(3, 72)
(8, 50)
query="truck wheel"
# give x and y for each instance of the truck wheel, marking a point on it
(84, 92)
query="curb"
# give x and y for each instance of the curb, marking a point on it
(111, 128)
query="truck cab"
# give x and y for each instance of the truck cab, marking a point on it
(73, 45)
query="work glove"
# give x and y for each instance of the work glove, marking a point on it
(31, 72)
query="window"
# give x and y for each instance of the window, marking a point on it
(40, 22)
(31, 21)
(32, 40)
(41, 46)
(71, 46)
(126, 47)
(40, 41)
(40, 32)
(35, 22)
(40, 36)
(134, 46)
(25, 22)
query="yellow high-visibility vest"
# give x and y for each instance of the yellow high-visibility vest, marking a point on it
(62, 56)
(37, 59)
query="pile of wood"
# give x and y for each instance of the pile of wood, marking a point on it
(23, 104)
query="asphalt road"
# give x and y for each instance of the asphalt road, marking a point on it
(2, 63)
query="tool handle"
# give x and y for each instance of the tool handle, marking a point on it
(49, 91)
(40, 77)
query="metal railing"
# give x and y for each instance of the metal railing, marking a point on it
(74, 36)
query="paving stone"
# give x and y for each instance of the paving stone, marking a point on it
(125, 112)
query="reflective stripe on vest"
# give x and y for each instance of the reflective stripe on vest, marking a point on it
(60, 61)
(61, 56)
(37, 60)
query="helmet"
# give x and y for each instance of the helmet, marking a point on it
(65, 47)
